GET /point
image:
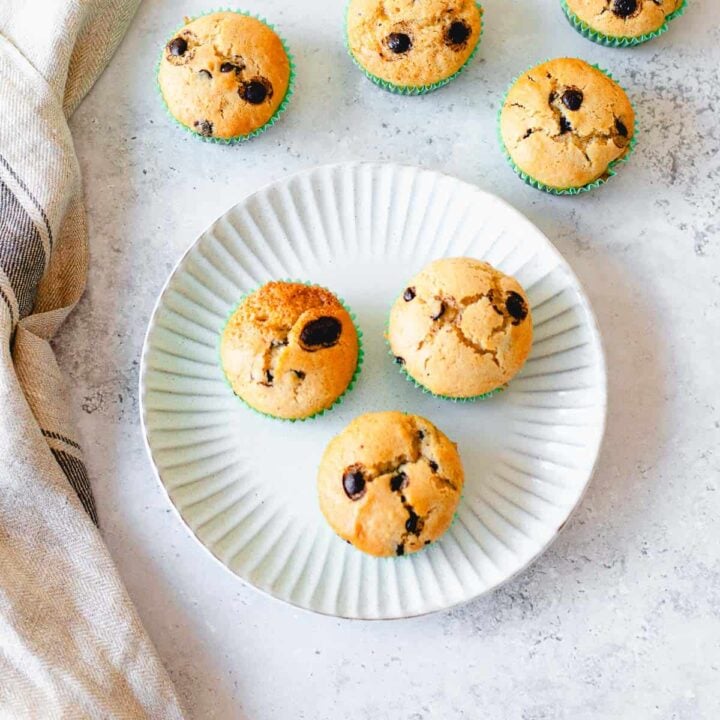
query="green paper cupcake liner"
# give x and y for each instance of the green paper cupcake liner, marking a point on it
(572, 190)
(618, 42)
(427, 391)
(339, 399)
(413, 89)
(273, 118)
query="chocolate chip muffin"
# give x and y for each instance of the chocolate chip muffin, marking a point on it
(410, 46)
(616, 20)
(290, 350)
(224, 75)
(565, 123)
(461, 328)
(389, 483)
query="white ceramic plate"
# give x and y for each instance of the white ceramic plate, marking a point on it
(245, 484)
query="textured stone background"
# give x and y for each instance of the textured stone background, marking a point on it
(621, 617)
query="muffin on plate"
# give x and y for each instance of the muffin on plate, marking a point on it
(290, 350)
(461, 329)
(225, 76)
(389, 483)
(621, 23)
(564, 125)
(412, 47)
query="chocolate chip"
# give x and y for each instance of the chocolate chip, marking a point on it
(227, 67)
(516, 306)
(528, 133)
(269, 376)
(623, 8)
(572, 99)
(552, 97)
(205, 73)
(177, 47)
(399, 42)
(414, 523)
(300, 374)
(409, 294)
(620, 127)
(440, 312)
(427, 542)
(398, 482)
(420, 434)
(256, 91)
(204, 127)
(565, 125)
(354, 482)
(400, 549)
(433, 465)
(399, 360)
(457, 33)
(324, 332)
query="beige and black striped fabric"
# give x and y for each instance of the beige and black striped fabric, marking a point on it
(71, 644)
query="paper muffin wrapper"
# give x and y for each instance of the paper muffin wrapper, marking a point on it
(403, 371)
(339, 399)
(571, 190)
(413, 89)
(614, 41)
(254, 133)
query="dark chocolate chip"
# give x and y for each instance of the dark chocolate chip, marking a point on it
(565, 125)
(427, 542)
(440, 312)
(354, 482)
(205, 73)
(398, 482)
(420, 434)
(457, 33)
(516, 306)
(255, 92)
(528, 133)
(399, 42)
(400, 549)
(269, 376)
(572, 99)
(399, 360)
(324, 332)
(624, 8)
(620, 127)
(409, 294)
(433, 465)
(300, 374)
(413, 524)
(204, 127)
(178, 46)
(552, 97)
(227, 67)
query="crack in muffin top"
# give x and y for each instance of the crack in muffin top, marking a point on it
(564, 121)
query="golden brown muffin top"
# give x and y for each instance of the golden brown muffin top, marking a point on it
(389, 483)
(224, 74)
(624, 18)
(564, 121)
(413, 42)
(289, 350)
(461, 328)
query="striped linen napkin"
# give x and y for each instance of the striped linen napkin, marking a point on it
(71, 644)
